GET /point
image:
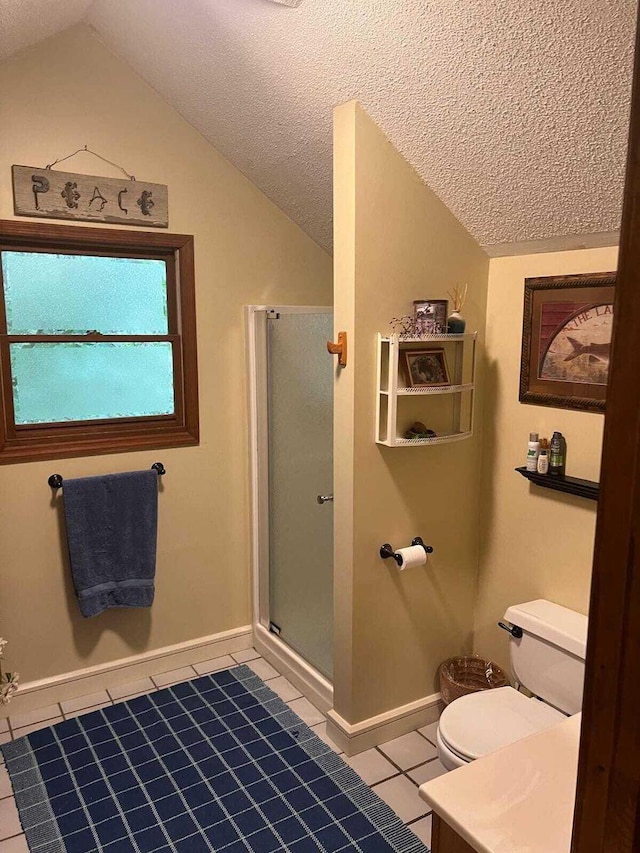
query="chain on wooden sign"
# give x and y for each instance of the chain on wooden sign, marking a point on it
(67, 195)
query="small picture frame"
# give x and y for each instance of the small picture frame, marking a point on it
(425, 367)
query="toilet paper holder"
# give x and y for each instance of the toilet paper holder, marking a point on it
(387, 551)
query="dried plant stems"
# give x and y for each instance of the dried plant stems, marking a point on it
(8, 680)
(458, 296)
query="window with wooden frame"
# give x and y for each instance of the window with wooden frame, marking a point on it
(97, 341)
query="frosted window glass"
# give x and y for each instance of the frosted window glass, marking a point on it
(55, 382)
(300, 374)
(73, 294)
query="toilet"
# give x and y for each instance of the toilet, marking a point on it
(547, 649)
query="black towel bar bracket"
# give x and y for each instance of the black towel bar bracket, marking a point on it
(55, 480)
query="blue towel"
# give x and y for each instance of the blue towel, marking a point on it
(112, 525)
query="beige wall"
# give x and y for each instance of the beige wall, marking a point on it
(53, 99)
(395, 242)
(533, 543)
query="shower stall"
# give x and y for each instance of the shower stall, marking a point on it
(291, 409)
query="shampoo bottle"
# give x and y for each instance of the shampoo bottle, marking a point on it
(543, 459)
(533, 451)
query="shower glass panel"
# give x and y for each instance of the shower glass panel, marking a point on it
(300, 404)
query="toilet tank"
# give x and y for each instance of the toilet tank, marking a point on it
(549, 657)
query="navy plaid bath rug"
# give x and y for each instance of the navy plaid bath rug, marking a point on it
(219, 764)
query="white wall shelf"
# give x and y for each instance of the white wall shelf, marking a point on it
(452, 422)
(425, 339)
(437, 389)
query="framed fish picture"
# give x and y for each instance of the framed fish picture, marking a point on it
(566, 340)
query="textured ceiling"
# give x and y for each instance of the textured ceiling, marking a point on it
(26, 22)
(515, 113)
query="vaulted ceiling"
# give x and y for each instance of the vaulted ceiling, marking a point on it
(515, 113)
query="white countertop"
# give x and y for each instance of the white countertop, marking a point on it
(519, 799)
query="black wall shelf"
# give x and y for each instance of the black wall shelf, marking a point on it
(570, 485)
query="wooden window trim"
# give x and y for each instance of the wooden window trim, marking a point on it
(27, 443)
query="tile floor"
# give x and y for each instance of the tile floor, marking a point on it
(394, 770)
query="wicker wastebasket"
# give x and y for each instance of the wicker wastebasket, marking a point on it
(461, 676)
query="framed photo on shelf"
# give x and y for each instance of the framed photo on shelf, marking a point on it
(425, 367)
(566, 339)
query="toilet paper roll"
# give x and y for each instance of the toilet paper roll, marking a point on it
(414, 555)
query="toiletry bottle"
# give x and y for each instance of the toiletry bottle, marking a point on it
(543, 459)
(557, 455)
(533, 451)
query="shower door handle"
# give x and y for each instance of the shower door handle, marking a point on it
(323, 499)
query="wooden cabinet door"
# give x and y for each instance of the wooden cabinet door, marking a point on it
(445, 840)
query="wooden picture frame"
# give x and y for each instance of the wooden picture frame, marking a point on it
(566, 340)
(425, 367)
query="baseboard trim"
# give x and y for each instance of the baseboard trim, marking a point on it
(308, 680)
(69, 685)
(353, 738)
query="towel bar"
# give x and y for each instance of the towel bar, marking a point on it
(55, 480)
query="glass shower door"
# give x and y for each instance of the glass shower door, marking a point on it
(300, 406)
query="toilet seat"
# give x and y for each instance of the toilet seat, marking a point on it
(483, 722)
(447, 757)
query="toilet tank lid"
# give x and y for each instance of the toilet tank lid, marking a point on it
(552, 622)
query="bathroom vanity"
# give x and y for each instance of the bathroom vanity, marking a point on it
(446, 840)
(519, 799)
